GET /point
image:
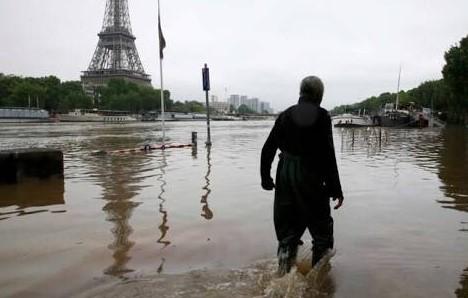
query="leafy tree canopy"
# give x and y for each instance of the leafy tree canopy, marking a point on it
(448, 95)
(455, 74)
(244, 109)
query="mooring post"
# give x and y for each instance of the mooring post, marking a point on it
(194, 144)
(194, 138)
(380, 137)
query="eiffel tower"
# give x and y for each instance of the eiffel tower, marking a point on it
(116, 56)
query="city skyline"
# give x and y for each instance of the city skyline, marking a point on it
(236, 100)
(356, 48)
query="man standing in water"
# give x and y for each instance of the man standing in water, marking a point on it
(306, 177)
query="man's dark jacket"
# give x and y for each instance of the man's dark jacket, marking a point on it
(304, 130)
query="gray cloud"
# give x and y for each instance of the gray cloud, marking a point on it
(261, 48)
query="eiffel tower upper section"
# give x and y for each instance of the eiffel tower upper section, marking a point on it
(116, 55)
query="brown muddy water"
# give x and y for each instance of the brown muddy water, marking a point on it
(186, 223)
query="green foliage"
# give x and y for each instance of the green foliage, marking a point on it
(448, 95)
(73, 97)
(243, 109)
(455, 74)
(371, 104)
(429, 94)
(47, 93)
(56, 96)
(127, 96)
(433, 94)
(189, 107)
(232, 109)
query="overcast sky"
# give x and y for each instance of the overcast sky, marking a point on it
(260, 48)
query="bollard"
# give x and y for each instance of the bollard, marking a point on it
(18, 164)
(380, 137)
(194, 138)
(194, 144)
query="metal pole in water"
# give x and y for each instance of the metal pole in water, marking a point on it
(206, 88)
(380, 137)
(194, 138)
(194, 144)
(163, 116)
(162, 45)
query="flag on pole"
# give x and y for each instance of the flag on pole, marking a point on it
(162, 41)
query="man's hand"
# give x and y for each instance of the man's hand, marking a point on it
(267, 184)
(340, 202)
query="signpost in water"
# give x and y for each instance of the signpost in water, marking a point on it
(206, 88)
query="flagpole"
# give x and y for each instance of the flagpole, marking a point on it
(398, 89)
(162, 85)
(162, 101)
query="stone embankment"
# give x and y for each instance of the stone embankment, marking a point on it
(19, 164)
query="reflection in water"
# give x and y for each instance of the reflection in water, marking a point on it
(194, 151)
(161, 266)
(119, 178)
(443, 152)
(29, 194)
(163, 227)
(206, 211)
(453, 172)
(462, 292)
(370, 138)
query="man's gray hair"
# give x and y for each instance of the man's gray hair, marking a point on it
(312, 88)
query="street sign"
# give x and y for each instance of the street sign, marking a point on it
(206, 88)
(206, 78)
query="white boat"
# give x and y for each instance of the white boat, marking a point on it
(350, 120)
(94, 115)
(23, 115)
(178, 116)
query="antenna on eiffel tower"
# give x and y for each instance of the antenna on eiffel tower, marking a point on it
(162, 45)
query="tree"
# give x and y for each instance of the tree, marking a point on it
(49, 92)
(232, 109)
(122, 95)
(455, 74)
(195, 107)
(244, 109)
(52, 92)
(432, 94)
(22, 92)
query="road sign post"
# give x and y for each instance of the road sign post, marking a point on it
(206, 88)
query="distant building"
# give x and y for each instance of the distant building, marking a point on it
(234, 100)
(214, 98)
(221, 107)
(253, 104)
(265, 108)
(244, 100)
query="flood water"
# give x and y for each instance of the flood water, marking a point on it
(402, 232)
